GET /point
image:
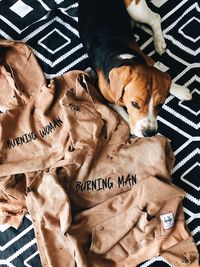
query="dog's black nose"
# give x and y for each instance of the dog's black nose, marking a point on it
(149, 132)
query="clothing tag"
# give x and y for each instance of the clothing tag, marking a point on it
(167, 220)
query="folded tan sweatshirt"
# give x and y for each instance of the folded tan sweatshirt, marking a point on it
(96, 197)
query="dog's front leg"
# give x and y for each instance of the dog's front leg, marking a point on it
(139, 11)
(120, 110)
(178, 91)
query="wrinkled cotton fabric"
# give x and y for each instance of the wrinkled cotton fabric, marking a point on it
(96, 197)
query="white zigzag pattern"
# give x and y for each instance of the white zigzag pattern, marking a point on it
(14, 27)
(181, 163)
(44, 5)
(174, 10)
(44, 26)
(190, 81)
(53, 64)
(181, 117)
(148, 263)
(196, 230)
(181, 103)
(5, 35)
(68, 67)
(197, 188)
(185, 35)
(17, 253)
(193, 216)
(12, 241)
(171, 38)
(193, 199)
(192, 139)
(174, 127)
(30, 258)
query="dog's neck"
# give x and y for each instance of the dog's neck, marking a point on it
(121, 57)
(129, 55)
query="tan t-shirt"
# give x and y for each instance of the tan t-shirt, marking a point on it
(96, 197)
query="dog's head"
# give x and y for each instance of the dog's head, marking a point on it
(142, 90)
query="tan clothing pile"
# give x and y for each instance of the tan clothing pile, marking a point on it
(96, 197)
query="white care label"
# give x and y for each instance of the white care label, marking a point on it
(167, 220)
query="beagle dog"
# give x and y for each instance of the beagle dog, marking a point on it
(126, 76)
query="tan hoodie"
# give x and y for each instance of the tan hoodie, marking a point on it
(96, 196)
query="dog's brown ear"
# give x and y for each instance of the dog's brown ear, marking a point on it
(119, 78)
(164, 82)
(168, 81)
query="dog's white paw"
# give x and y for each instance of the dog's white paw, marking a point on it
(180, 92)
(185, 94)
(160, 44)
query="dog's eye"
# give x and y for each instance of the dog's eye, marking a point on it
(159, 106)
(135, 104)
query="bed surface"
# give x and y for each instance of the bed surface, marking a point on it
(50, 29)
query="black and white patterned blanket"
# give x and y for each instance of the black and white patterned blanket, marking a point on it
(49, 27)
